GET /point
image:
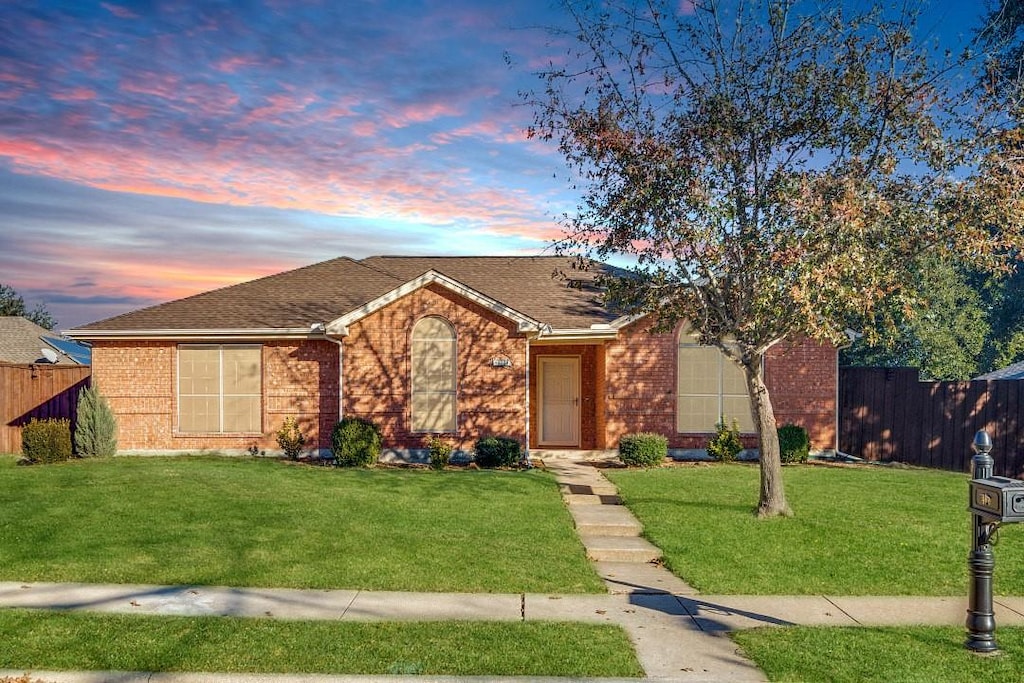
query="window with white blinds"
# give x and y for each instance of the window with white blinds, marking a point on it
(219, 388)
(710, 386)
(433, 376)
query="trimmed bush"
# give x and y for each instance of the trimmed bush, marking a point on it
(643, 450)
(95, 426)
(498, 451)
(725, 445)
(440, 452)
(794, 443)
(291, 439)
(46, 440)
(355, 442)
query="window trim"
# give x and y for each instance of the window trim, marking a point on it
(453, 393)
(220, 388)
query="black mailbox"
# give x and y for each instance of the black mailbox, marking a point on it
(998, 499)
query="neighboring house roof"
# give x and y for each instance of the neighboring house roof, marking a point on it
(542, 292)
(22, 341)
(1015, 371)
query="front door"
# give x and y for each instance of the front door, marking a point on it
(559, 384)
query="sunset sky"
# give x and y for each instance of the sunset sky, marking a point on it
(152, 150)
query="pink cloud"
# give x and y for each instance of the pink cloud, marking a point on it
(364, 128)
(277, 106)
(128, 111)
(163, 85)
(75, 95)
(420, 113)
(236, 63)
(119, 11)
(233, 174)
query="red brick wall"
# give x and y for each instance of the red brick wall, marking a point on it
(803, 378)
(641, 384)
(138, 378)
(490, 400)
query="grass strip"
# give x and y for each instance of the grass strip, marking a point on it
(260, 522)
(919, 654)
(856, 530)
(71, 641)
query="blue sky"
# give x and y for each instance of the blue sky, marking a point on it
(152, 150)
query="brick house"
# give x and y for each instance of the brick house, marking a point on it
(462, 347)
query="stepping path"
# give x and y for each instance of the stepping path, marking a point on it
(650, 602)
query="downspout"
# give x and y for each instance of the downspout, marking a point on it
(527, 366)
(322, 328)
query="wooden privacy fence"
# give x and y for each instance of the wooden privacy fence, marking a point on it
(38, 391)
(887, 414)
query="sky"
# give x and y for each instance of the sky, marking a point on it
(155, 149)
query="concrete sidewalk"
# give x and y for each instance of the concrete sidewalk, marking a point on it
(678, 637)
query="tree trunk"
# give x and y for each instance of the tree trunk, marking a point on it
(772, 501)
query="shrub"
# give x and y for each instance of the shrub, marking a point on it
(725, 445)
(794, 443)
(643, 450)
(355, 442)
(95, 426)
(440, 452)
(497, 451)
(46, 440)
(290, 438)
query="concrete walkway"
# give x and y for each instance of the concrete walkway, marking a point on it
(678, 634)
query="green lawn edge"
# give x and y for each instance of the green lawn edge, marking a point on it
(862, 654)
(46, 640)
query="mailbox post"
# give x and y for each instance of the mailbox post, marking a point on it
(981, 620)
(994, 501)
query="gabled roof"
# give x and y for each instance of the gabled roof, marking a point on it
(22, 341)
(1015, 371)
(538, 293)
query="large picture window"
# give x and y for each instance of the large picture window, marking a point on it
(219, 388)
(433, 376)
(709, 386)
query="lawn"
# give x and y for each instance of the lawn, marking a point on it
(56, 640)
(260, 522)
(920, 654)
(856, 530)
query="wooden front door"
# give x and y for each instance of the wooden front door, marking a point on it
(559, 383)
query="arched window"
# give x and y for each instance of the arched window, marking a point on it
(433, 376)
(709, 386)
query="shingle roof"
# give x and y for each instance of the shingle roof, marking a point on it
(1015, 371)
(545, 288)
(21, 341)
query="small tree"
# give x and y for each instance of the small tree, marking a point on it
(772, 167)
(290, 438)
(95, 425)
(12, 303)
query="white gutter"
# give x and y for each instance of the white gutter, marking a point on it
(211, 334)
(583, 334)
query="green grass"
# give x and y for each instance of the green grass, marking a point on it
(62, 640)
(257, 522)
(920, 654)
(856, 531)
